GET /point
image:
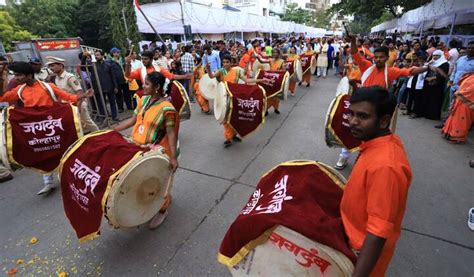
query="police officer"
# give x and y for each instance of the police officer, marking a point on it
(69, 83)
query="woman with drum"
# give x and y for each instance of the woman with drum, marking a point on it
(307, 74)
(231, 75)
(155, 123)
(291, 57)
(276, 64)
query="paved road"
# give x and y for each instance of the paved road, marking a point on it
(212, 186)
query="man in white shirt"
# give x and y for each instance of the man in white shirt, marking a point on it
(453, 55)
(159, 60)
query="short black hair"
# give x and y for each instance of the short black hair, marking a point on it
(470, 42)
(384, 101)
(382, 49)
(187, 48)
(22, 68)
(206, 47)
(147, 54)
(227, 57)
(102, 53)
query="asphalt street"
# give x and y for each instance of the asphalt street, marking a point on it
(213, 184)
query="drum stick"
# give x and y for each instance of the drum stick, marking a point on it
(168, 186)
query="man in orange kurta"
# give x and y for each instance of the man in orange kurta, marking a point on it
(374, 200)
(33, 93)
(461, 118)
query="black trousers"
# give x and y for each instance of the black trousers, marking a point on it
(124, 95)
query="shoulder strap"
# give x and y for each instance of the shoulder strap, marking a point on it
(366, 74)
(49, 89)
(20, 91)
(386, 77)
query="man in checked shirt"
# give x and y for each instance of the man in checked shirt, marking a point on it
(187, 62)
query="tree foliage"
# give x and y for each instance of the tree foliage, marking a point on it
(120, 36)
(10, 31)
(46, 18)
(374, 9)
(322, 19)
(297, 14)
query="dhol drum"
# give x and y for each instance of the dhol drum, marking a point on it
(3, 141)
(337, 127)
(343, 87)
(221, 103)
(124, 182)
(287, 237)
(257, 65)
(306, 62)
(208, 87)
(246, 108)
(180, 100)
(295, 69)
(37, 137)
(288, 253)
(277, 83)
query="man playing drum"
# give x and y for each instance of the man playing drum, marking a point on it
(141, 73)
(155, 122)
(378, 74)
(232, 75)
(374, 200)
(33, 93)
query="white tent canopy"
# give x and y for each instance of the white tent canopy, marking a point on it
(167, 19)
(437, 14)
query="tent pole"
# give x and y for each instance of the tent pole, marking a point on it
(452, 27)
(182, 18)
(422, 27)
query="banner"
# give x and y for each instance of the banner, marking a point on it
(276, 79)
(59, 44)
(37, 137)
(86, 179)
(300, 195)
(247, 108)
(290, 67)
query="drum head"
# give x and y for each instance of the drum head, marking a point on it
(298, 70)
(288, 253)
(286, 85)
(137, 193)
(314, 64)
(3, 140)
(220, 103)
(331, 141)
(208, 87)
(343, 87)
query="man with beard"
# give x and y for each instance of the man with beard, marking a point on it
(374, 200)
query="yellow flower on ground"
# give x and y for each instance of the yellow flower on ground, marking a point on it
(34, 240)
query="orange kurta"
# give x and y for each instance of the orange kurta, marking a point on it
(461, 117)
(137, 73)
(37, 96)
(375, 197)
(377, 77)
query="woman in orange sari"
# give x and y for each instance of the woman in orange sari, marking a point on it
(155, 122)
(307, 74)
(291, 57)
(231, 75)
(461, 118)
(198, 73)
(276, 64)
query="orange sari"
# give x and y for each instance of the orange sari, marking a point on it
(461, 118)
(274, 101)
(231, 76)
(203, 103)
(292, 85)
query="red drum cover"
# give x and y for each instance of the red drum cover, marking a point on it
(337, 124)
(179, 98)
(306, 62)
(248, 104)
(37, 137)
(290, 67)
(277, 80)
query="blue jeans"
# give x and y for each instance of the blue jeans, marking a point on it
(402, 94)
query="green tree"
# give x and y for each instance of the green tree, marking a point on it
(46, 18)
(322, 19)
(120, 36)
(374, 9)
(10, 31)
(297, 14)
(94, 20)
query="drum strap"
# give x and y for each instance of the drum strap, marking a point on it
(44, 85)
(144, 72)
(370, 70)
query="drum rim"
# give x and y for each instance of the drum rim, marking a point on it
(205, 79)
(221, 114)
(3, 139)
(186, 106)
(299, 77)
(117, 180)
